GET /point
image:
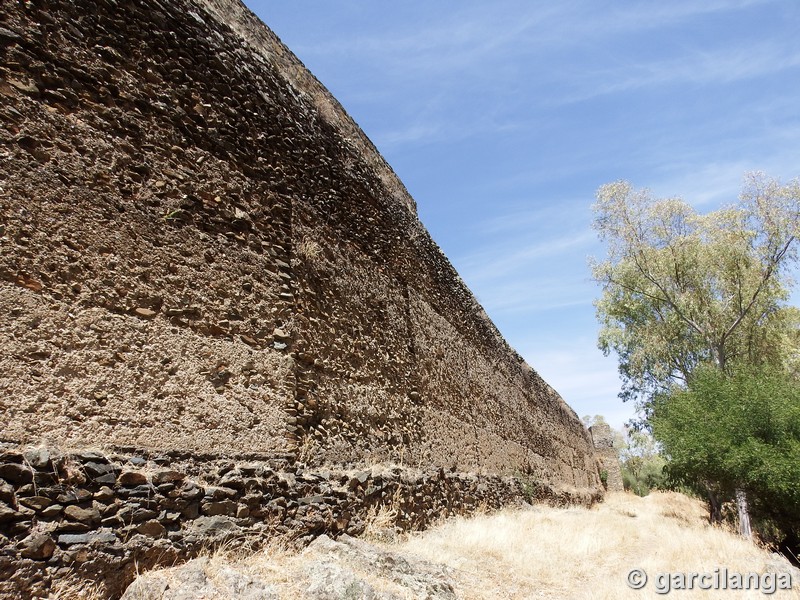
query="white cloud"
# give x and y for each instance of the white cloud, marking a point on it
(476, 32)
(566, 214)
(414, 134)
(531, 295)
(707, 185)
(648, 15)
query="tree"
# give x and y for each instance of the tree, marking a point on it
(641, 461)
(682, 289)
(590, 421)
(736, 432)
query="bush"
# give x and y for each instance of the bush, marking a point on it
(740, 431)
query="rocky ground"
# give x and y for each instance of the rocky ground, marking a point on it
(344, 568)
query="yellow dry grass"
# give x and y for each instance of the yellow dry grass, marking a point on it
(588, 553)
(542, 553)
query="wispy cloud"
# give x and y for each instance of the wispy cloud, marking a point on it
(438, 127)
(461, 40)
(517, 61)
(644, 16)
(498, 261)
(721, 66)
(477, 31)
(567, 214)
(710, 173)
(533, 295)
(414, 133)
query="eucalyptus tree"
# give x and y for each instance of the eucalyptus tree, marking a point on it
(680, 288)
(683, 290)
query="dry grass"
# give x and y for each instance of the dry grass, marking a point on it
(580, 553)
(74, 588)
(539, 552)
(309, 250)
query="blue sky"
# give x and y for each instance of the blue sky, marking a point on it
(503, 118)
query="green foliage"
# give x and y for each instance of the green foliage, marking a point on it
(694, 306)
(645, 479)
(530, 487)
(737, 431)
(681, 289)
(642, 463)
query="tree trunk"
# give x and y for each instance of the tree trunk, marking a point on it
(744, 514)
(714, 508)
(720, 357)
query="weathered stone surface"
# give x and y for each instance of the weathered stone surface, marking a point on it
(151, 528)
(83, 515)
(219, 493)
(107, 479)
(37, 546)
(168, 476)
(214, 526)
(137, 515)
(132, 478)
(73, 496)
(7, 513)
(15, 473)
(72, 527)
(97, 469)
(38, 503)
(610, 471)
(254, 208)
(104, 494)
(51, 511)
(335, 571)
(38, 458)
(11, 456)
(316, 499)
(90, 456)
(223, 507)
(328, 570)
(194, 580)
(103, 537)
(7, 493)
(270, 498)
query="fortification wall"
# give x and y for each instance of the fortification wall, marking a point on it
(607, 456)
(207, 269)
(202, 252)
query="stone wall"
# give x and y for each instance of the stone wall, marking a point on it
(201, 251)
(88, 518)
(603, 440)
(202, 256)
